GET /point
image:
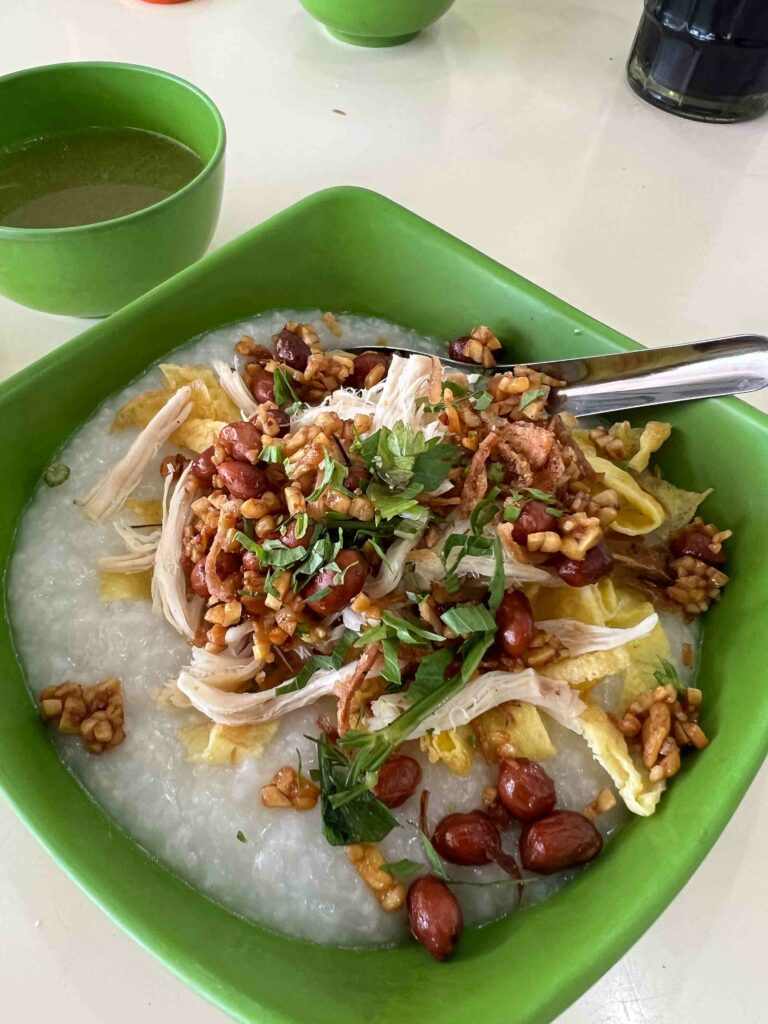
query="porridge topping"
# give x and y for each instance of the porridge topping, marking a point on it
(663, 721)
(289, 789)
(95, 713)
(368, 859)
(604, 801)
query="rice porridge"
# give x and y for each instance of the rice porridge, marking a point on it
(209, 823)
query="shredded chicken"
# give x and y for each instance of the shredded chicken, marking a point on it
(169, 582)
(109, 495)
(392, 568)
(407, 379)
(393, 399)
(482, 694)
(247, 708)
(236, 388)
(580, 638)
(429, 567)
(140, 555)
(227, 670)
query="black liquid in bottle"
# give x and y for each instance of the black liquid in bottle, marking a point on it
(704, 59)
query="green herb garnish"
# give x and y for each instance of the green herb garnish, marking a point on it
(496, 589)
(402, 869)
(667, 675)
(360, 817)
(482, 400)
(373, 748)
(537, 495)
(484, 511)
(400, 456)
(301, 525)
(320, 661)
(463, 619)
(406, 629)
(531, 396)
(434, 860)
(284, 392)
(241, 838)
(321, 554)
(511, 513)
(391, 670)
(272, 552)
(272, 453)
(404, 504)
(334, 475)
(456, 548)
(456, 389)
(430, 675)
(495, 473)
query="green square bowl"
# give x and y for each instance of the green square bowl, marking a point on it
(351, 250)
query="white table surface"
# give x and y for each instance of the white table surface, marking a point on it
(510, 125)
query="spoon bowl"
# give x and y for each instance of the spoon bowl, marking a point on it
(653, 376)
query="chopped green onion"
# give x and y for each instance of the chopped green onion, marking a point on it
(56, 474)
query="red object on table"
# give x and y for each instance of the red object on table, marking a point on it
(165, 1)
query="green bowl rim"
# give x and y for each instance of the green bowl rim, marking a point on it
(207, 170)
(589, 962)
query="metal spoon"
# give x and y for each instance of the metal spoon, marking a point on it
(650, 376)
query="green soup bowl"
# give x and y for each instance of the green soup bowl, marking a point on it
(91, 270)
(376, 22)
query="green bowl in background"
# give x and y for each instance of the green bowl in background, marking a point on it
(94, 269)
(525, 969)
(376, 22)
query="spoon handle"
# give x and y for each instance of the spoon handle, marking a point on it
(628, 380)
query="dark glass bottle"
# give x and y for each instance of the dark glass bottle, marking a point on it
(704, 59)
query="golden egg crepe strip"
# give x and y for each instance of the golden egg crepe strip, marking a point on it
(589, 668)
(639, 511)
(631, 608)
(209, 400)
(609, 748)
(516, 727)
(214, 400)
(646, 655)
(679, 506)
(139, 410)
(197, 435)
(594, 604)
(226, 745)
(639, 443)
(146, 511)
(123, 586)
(452, 747)
(652, 437)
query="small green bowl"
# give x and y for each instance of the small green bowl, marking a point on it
(93, 269)
(376, 22)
